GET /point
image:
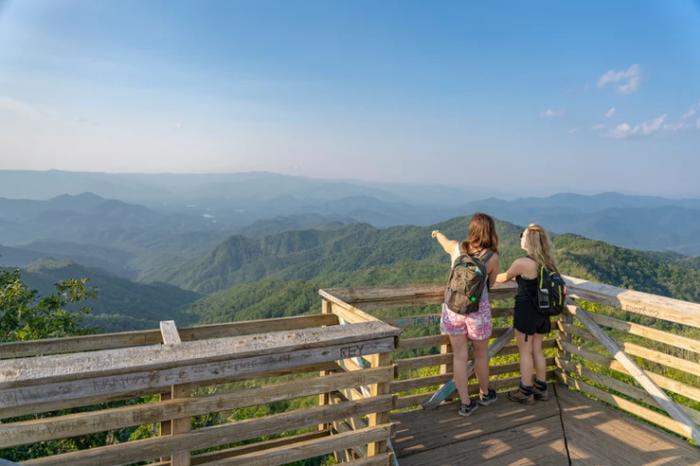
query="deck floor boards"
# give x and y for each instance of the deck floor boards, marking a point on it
(506, 433)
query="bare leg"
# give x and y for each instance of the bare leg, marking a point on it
(460, 355)
(481, 364)
(525, 350)
(538, 356)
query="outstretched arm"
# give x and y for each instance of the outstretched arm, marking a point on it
(447, 244)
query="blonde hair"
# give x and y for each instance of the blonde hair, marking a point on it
(539, 247)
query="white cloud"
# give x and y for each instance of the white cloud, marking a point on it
(625, 82)
(573, 131)
(645, 128)
(18, 107)
(598, 127)
(610, 112)
(552, 113)
(691, 111)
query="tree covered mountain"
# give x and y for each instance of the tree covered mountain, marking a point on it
(280, 274)
(120, 304)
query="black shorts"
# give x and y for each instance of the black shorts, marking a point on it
(529, 321)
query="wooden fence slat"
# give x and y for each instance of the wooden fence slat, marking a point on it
(625, 405)
(139, 450)
(658, 307)
(675, 386)
(619, 386)
(691, 430)
(45, 369)
(308, 448)
(17, 400)
(102, 341)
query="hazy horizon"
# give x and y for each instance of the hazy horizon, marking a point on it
(506, 98)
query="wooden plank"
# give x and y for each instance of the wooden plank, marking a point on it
(169, 332)
(379, 460)
(344, 309)
(658, 307)
(691, 430)
(171, 336)
(626, 405)
(675, 386)
(307, 449)
(414, 321)
(45, 369)
(102, 341)
(599, 434)
(37, 430)
(619, 386)
(379, 417)
(205, 458)
(660, 336)
(324, 398)
(212, 436)
(415, 294)
(654, 356)
(537, 443)
(440, 428)
(12, 400)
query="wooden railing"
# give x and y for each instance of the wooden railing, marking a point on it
(424, 358)
(197, 371)
(636, 351)
(346, 368)
(636, 324)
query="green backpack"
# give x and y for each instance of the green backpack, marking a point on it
(468, 278)
(551, 292)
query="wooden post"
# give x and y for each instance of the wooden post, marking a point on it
(176, 426)
(325, 398)
(567, 319)
(639, 375)
(378, 389)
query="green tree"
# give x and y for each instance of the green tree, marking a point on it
(26, 316)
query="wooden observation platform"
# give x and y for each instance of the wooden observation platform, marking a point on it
(624, 369)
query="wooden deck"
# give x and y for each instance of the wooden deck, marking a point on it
(568, 429)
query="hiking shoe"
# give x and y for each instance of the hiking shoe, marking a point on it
(522, 395)
(540, 394)
(490, 397)
(467, 410)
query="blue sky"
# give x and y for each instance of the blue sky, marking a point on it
(532, 98)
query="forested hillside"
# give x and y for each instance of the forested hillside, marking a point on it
(279, 274)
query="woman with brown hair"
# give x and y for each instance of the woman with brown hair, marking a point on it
(531, 326)
(482, 243)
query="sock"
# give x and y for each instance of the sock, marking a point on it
(526, 389)
(540, 384)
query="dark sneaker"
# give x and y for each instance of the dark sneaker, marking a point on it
(467, 410)
(540, 394)
(522, 395)
(490, 397)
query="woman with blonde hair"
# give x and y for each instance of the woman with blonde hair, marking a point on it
(481, 243)
(531, 326)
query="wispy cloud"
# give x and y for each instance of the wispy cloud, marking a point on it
(573, 131)
(18, 107)
(645, 128)
(610, 112)
(552, 113)
(691, 111)
(598, 127)
(625, 82)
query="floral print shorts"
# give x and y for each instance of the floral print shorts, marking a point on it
(476, 326)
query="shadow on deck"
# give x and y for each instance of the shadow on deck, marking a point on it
(567, 429)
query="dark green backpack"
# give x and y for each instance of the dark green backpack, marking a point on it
(468, 278)
(551, 292)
